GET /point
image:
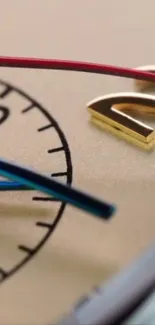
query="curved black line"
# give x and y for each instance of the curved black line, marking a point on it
(69, 178)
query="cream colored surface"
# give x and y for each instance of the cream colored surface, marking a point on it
(82, 251)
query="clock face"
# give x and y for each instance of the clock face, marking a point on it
(45, 125)
(47, 249)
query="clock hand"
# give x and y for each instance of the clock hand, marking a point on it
(65, 193)
(55, 64)
(13, 186)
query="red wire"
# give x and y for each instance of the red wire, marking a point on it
(53, 64)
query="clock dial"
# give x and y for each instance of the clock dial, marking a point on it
(29, 134)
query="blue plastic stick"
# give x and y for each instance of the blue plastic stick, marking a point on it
(13, 186)
(59, 190)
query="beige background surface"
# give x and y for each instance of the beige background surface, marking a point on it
(82, 251)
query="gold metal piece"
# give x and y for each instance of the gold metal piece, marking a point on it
(108, 113)
(143, 85)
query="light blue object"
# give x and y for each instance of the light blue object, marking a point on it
(13, 186)
(37, 181)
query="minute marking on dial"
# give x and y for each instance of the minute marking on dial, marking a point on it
(60, 174)
(26, 249)
(44, 225)
(46, 199)
(55, 150)
(27, 109)
(46, 127)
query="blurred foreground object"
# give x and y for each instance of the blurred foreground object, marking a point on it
(120, 299)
